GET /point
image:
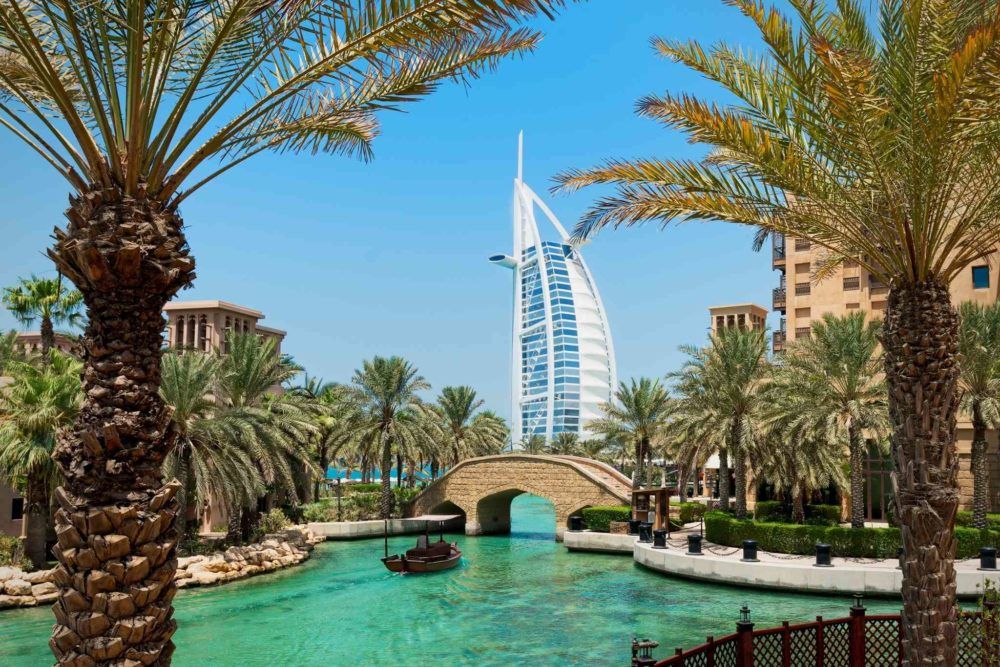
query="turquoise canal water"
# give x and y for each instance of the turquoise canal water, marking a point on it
(520, 599)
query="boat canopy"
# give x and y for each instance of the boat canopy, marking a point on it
(433, 517)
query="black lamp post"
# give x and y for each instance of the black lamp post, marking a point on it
(642, 652)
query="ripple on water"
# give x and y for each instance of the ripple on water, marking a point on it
(518, 599)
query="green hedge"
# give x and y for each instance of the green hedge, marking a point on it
(598, 519)
(775, 511)
(823, 515)
(770, 510)
(12, 553)
(367, 487)
(691, 512)
(722, 529)
(964, 518)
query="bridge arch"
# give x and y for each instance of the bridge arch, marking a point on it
(482, 488)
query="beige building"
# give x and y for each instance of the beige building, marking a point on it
(743, 315)
(800, 301)
(203, 325)
(190, 324)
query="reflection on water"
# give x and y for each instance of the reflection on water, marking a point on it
(517, 599)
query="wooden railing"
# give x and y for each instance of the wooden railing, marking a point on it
(855, 641)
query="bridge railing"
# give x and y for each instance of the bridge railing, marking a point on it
(855, 641)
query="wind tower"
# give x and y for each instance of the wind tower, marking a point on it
(562, 359)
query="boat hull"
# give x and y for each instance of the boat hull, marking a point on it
(406, 565)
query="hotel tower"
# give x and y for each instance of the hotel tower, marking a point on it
(563, 360)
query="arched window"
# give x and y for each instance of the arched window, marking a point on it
(191, 330)
(226, 334)
(203, 333)
(179, 332)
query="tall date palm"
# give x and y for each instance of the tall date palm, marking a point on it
(138, 104)
(830, 390)
(872, 134)
(979, 344)
(46, 300)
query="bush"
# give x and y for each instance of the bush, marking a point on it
(599, 518)
(404, 496)
(964, 518)
(363, 488)
(12, 553)
(770, 510)
(692, 512)
(823, 515)
(273, 521)
(722, 529)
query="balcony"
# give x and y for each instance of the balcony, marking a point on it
(778, 299)
(877, 287)
(777, 250)
(778, 342)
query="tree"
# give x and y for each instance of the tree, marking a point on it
(637, 413)
(595, 448)
(40, 400)
(140, 104)
(830, 389)
(10, 351)
(871, 137)
(979, 345)
(535, 444)
(44, 299)
(332, 425)
(391, 416)
(210, 459)
(467, 432)
(732, 369)
(566, 443)
(279, 426)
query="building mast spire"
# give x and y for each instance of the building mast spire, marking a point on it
(520, 156)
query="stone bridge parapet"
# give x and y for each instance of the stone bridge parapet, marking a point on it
(483, 488)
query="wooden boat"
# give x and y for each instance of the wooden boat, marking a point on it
(427, 556)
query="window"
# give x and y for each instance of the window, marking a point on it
(853, 306)
(980, 277)
(802, 245)
(852, 283)
(802, 289)
(17, 509)
(804, 267)
(802, 312)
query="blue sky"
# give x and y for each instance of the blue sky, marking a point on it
(389, 257)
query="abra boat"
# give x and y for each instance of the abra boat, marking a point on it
(427, 556)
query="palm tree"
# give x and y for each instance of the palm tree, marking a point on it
(733, 369)
(10, 351)
(391, 417)
(140, 104)
(534, 444)
(209, 459)
(467, 431)
(333, 410)
(40, 400)
(595, 448)
(802, 465)
(979, 345)
(565, 442)
(47, 300)
(637, 413)
(872, 138)
(830, 389)
(279, 426)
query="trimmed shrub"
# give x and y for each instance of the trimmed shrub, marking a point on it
(599, 518)
(770, 510)
(823, 515)
(692, 512)
(964, 518)
(722, 529)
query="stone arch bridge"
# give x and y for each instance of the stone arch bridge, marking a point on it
(483, 488)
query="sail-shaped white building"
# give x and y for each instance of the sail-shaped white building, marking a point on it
(563, 360)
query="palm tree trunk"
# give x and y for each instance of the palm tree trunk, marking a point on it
(921, 362)
(116, 523)
(798, 506)
(434, 469)
(980, 473)
(683, 471)
(234, 528)
(399, 471)
(324, 463)
(640, 459)
(184, 495)
(857, 449)
(36, 518)
(385, 501)
(740, 476)
(724, 479)
(48, 338)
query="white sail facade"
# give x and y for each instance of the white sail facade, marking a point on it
(563, 359)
